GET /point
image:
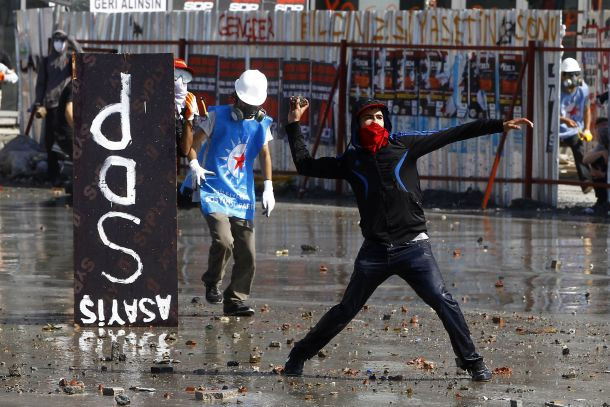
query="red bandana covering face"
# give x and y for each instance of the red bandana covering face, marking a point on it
(373, 137)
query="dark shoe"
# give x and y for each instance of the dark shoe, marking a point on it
(478, 371)
(237, 309)
(213, 294)
(294, 365)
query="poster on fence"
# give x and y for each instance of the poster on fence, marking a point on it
(361, 79)
(205, 81)
(434, 75)
(296, 80)
(510, 65)
(384, 75)
(590, 61)
(322, 78)
(229, 70)
(271, 68)
(125, 259)
(405, 104)
(478, 80)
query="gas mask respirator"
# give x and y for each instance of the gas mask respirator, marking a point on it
(241, 111)
(571, 80)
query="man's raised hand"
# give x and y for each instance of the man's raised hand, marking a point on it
(514, 124)
(298, 106)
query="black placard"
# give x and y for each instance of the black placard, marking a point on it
(125, 262)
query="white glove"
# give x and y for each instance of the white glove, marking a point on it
(11, 77)
(268, 198)
(198, 174)
(8, 74)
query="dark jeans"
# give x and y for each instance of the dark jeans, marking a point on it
(578, 151)
(57, 130)
(414, 263)
(601, 193)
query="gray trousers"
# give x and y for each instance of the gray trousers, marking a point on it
(235, 236)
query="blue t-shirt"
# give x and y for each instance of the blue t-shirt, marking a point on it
(573, 105)
(233, 147)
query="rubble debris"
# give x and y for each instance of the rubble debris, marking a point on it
(190, 343)
(143, 389)
(162, 369)
(215, 395)
(165, 361)
(545, 330)
(503, 371)
(322, 353)
(309, 248)
(51, 327)
(232, 363)
(555, 403)
(499, 321)
(351, 372)
(74, 387)
(14, 371)
(422, 363)
(555, 265)
(255, 358)
(122, 400)
(569, 375)
(275, 344)
(516, 403)
(112, 391)
(565, 350)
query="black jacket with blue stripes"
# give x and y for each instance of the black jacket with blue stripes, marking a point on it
(386, 184)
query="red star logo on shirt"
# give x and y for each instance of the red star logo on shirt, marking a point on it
(239, 161)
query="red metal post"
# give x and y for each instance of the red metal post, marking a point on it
(342, 125)
(529, 135)
(494, 167)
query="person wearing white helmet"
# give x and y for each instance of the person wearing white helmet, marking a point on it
(575, 116)
(234, 135)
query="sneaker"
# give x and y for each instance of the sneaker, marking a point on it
(294, 365)
(213, 294)
(237, 309)
(478, 371)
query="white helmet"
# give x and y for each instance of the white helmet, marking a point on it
(251, 87)
(570, 65)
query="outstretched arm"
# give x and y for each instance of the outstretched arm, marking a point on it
(325, 167)
(421, 143)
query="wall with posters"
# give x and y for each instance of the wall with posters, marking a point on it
(425, 89)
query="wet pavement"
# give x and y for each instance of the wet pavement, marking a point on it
(543, 328)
